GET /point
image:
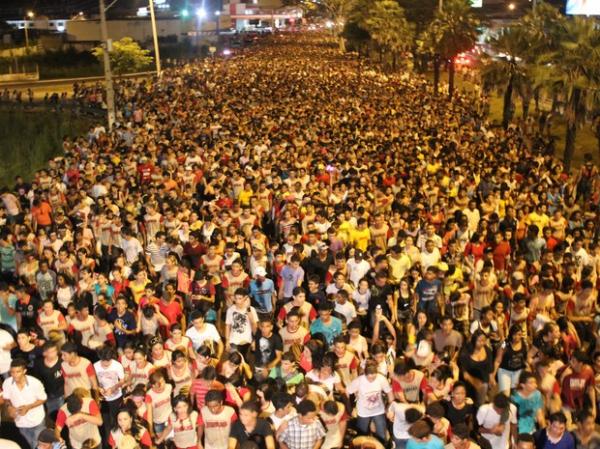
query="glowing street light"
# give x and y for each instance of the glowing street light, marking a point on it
(185, 13)
(30, 15)
(201, 13)
(511, 6)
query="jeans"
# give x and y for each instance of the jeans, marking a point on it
(400, 444)
(363, 424)
(507, 380)
(31, 434)
(159, 427)
(430, 308)
(52, 406)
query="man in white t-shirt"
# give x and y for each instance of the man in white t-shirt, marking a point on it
(357, 267)
(240, 323)
(403, 415)
(7, 342)
(25, 396)
(498, 421)
(202, 333)
(369, 389)
(111, 378)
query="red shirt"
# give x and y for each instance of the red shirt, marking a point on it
(172, 311)
(575, 387)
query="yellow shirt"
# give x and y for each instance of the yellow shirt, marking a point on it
(360, 239)
(345, 230)
(244, 197)
(541, 221)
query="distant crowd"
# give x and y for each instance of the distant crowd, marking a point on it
(278, 250)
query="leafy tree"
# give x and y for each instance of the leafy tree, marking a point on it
(388, 27)
(453, 31)
(126, 56)
(510, 68)
(575, 66)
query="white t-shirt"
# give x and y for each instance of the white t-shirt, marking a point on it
(357, 270)
(208, 334)
(241, 329)
(109, 377)
(488, 418)
(5, 358)
(401, 426)
(347, 309)
(32, 391)
(369, 395)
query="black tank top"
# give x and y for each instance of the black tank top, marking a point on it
(514, 360)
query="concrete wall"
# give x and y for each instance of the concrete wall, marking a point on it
(140, 30)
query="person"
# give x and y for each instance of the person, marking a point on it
(327, 325)
(370, 389)
(249, 427)
(529, 403)
(578, 383)
(81, 415)
(46, 440)
(262, 291)
(241, 323)
(111, 379)
(422, 437)
(158, 401)
(497, 421)
(25, 397)
(215, 421)
(555, 435)
(202, 332)
(183, 424)
(586, 436)
(511, 358)
(304, 431)
(49, 371)
(77, 371)
(403, 415)
(128, 427)
(460, 438)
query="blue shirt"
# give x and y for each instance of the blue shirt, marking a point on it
(5, 317)
(433, 443)
(330, 331)
(527, 410)
(427, 290)
(263, 295)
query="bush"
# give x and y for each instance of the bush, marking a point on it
(30, 139)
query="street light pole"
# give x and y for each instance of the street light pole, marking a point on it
(155, 37)
(28, 16)
(110, 92)
(441, 5)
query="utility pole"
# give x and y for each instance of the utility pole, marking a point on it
(441, 5)
(155, 38)
(110, 92)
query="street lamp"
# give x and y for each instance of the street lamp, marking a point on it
(217, 19)
(201, 13)
(29, 15)
(511, 6)
(154, 37)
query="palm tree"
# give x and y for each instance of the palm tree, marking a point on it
(388, 27)
(454, 30)
(575, 66)
(509, 68)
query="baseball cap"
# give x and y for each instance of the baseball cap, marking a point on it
(47, 436)
(260, 271)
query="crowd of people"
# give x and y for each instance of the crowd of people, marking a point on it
(278, 250)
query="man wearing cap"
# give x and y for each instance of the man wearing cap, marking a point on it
(46, 440)
(262, 291)
(357, 267)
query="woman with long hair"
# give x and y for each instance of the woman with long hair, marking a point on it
(128, 426)
(477, 364)
(511, 359)
(183, 422)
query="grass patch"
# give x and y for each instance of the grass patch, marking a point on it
(586, 140)
(30, 139)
